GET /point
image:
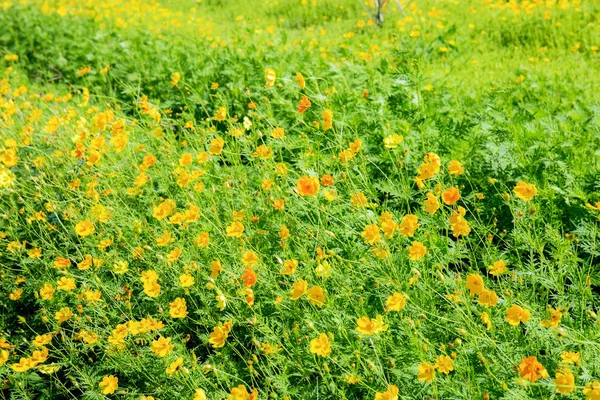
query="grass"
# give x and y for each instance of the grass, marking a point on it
(138, 139)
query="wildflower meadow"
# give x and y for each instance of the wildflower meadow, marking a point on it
(299, 199)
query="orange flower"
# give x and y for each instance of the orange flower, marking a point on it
(308, 186)
(304, 104)
(531, 369)
(249, 277)
(450, 196)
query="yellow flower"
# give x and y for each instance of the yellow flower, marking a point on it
(199, 394)
(300, 80)
(359, 200)
(221, 114)
(371, 234)
(592, 391)
(164, 209)
(202, 240)
(488, 298)
(178, 308)
(175, 77)
(570, 357)
(299, 289)
(186, 280)
(109, 384)
(390, 394)
(320, 345)
(455, 168)
(47, 292)
(564, 381)
(174, 367)
(475, 284)
(408, 225)
(270, 77)
(278, 133)
(431, 204)
(165, 239)
(416, 251)
(516, 314)
(525, 191)
(426, 372)
(444, 364)
(236, 229)
(162, 347)
(66, 284)
(396, 302)
(485, 318)
(370, 326)
(84, 228)
(220, 334)
(249, 258)
(316, 296)
(23, 365)
(289, 267)
(497, 268)
(62, 315)
(120, 267)
(152, 289)
(327, 119)
(555, 317)
(4, 354)
(392, 141)
(216, 146)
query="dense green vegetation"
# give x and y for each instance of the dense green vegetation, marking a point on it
(286, 199)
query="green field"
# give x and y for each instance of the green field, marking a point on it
(289, 199)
